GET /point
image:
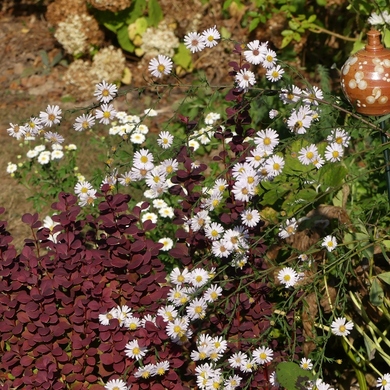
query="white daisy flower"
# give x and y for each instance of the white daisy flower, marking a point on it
(274, 74)
(256, 52)
(134, 350)
(274, 165)
(105, 92)
(329, 242)
(288, 277)
(162, 65)
(11, 168)
(250, 217)
(340, 326)
(268, 139)
(165, 139)
(245, 78)
(105, 114)
(263, 355)
(116, 384)
(334, 152)
(194, 42)
(308, 154)
(269, 59)
(167, 242)
(211, 36)
(306, 364)
(50, 117)
(383, 382)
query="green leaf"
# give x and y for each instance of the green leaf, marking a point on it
(137, 9)
(292, 377)
(45, 58)
(385, 276)
(114, 27)
(155, 13)
(253, 24)
(376, 293)
(332, 175)
(183, 58)
(124, 40)
(370, 347)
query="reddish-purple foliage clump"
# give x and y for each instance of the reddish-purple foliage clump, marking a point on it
(52, 295)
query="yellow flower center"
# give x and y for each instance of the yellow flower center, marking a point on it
(144, 159)
(267, 141)
(161, 68)
(309, 155)
(286, 278)
(335, 153)
(276, 166)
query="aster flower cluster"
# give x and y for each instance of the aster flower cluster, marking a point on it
(195, 42)
(258, 53)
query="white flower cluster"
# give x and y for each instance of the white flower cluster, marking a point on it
(162, 64)
(159, 40)
(190, 295)
(36, 127)
(71, 35)
(379, 19)
(258, 53)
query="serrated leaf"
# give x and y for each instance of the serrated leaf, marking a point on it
(292, 377)
(376, 293)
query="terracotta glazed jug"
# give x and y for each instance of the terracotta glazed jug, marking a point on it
(365, 77)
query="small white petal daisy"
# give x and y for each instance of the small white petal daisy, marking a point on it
(134, 350)
(105, 92)
(340, 326)
(329, 242)
(116, 384)
(194, 42)
(167, 242)
(256, 52)
(263, 355)
(383, 382)
(162, 65)
(250, 217)
(105, 114)
(274, 74)
(165, 139)
(306, 364)
(334, 152)
(288, 277)
(211, 36)
(245, 78)
(50, 117)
